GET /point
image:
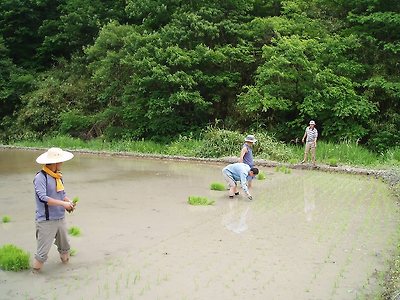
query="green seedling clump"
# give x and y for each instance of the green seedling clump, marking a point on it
(6, 219)
(13, 258)
(283, 169)
(261, 176)
(74, 231)
(333, 162)
(72, 252)
(75, 200)
(217, 186)
(196, 200)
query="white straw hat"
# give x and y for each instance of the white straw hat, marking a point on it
(312, 122)
(54, 155)
(250, 138)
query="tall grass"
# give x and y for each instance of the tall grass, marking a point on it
(216, 143)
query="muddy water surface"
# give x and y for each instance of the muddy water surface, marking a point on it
(306, 235)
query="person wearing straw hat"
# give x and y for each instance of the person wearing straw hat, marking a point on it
(246, 155)
(51, 204)
(310, 137)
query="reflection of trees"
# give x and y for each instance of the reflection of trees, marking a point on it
(236, 218)
(309, 196)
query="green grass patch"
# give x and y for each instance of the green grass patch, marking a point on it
(261, 175)
(217, 186)
(197, 200)
(6, 219)
(13, 258)
(74, 231)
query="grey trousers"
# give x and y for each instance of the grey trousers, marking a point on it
(48, 232)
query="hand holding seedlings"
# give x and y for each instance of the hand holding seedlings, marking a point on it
(73, 204)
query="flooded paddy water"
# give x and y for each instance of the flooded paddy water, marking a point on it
(306, 235)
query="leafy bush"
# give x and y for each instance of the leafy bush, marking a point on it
(197, 200)
(269, 148)
(13, 258)
(219, 143)
(217, 186)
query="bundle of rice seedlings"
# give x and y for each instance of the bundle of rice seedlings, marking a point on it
(261, 176)
(6, 219)
(197, 200)
(217, 186)
(13, 258)
(74, 231)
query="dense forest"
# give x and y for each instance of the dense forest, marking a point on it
(157, 69)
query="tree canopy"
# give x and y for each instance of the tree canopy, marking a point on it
(158, 69)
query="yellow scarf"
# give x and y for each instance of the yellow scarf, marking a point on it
(57, 176)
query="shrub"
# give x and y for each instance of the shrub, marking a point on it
(196, 200)
(217, 186)
(269, 148)
(219, 143)
(13, 258)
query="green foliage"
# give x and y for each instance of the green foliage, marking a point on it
(73, 252)
(6, 219)
(333, 162)
(219, 143)
(197, 200)
(217, 186)
(74, 231)
(268, 147)
(13, 258)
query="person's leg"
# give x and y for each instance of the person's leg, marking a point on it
(313, 154)
(45, 232)
(231, 183)
(61, 241)
(306, 150)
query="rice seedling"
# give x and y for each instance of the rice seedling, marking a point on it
(261, 176)
(13, 258)
(217, 186)
(74, 231)
(283, 169)
(197, 200)
(73, 252)
(6, 219)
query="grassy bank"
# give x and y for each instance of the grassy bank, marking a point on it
(222, 143)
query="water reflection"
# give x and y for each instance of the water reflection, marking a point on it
(309, 197)
(236, 218)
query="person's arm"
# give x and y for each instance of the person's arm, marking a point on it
(315, 140)
(40, 189)
(243, 182)
(242, 154)
(304, 136)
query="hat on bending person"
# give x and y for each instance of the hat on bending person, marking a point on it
(54, 155)
(250, 138)
(312, 122)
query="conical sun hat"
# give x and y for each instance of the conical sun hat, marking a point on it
(54, 155)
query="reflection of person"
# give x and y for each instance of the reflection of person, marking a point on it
(309, 197)
(51, 204)
(246, 155)
(238, 172)
(311, 135)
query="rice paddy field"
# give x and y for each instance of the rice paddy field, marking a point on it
(306, 234)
